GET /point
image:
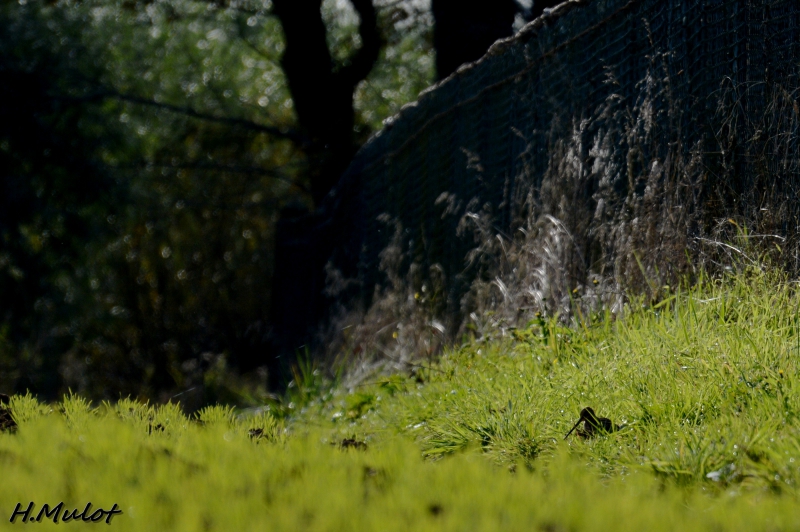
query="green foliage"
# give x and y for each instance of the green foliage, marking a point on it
(216, 414)
(146, 166)
(309, 386)
(702, 383)
(358, 404)
(76, 411)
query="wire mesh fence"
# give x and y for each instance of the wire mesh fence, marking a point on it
(467, 140)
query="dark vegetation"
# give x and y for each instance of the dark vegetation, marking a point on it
(149, 150)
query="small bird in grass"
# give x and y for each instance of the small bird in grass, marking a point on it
(592, 425)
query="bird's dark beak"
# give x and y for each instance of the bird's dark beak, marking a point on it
(573, 428)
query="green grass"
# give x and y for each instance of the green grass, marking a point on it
(705, 382)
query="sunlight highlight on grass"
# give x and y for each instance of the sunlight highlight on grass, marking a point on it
(704, 384)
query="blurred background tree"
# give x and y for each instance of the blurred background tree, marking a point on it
(147, 151)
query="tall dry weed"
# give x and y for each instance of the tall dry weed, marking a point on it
(405, 326)
(612, 213)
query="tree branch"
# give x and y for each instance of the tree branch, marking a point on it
(295, 136)
(201, 165)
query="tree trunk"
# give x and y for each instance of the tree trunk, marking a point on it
(322, 92)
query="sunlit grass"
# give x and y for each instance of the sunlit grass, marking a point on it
(705, 383)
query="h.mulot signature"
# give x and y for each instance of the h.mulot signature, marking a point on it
(59, 511)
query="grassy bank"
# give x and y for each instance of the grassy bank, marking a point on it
(704, 384)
